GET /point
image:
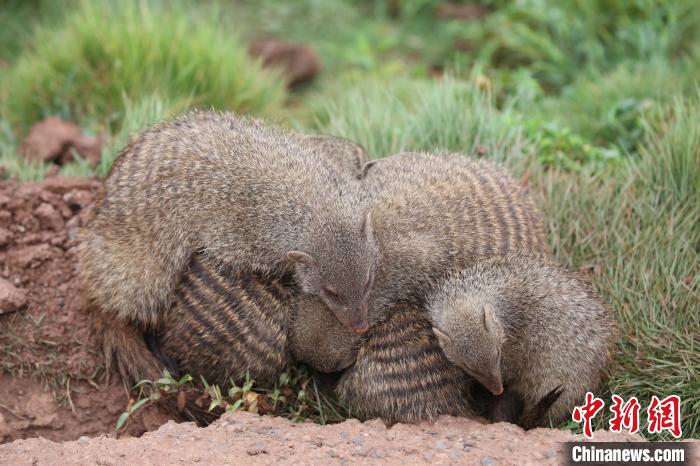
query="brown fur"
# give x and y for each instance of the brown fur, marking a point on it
(401, 375)
(527, 325)
(223, 325)
(431, 214)
(252, 196)
(197, 337)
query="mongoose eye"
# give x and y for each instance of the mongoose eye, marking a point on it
(330, 292)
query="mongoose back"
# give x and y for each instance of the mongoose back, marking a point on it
(431, 214)
(401, 375)
(436, 213)
(527, 325)
(224, 325)
(250, 195)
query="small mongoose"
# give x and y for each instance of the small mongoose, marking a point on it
(401, 375)
(181, 342)
(252, 196)
(527, 325)
(431, 214)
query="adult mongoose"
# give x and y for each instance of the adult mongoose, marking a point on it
(183, 343)
(248, 194)
(526, 325)
(431, 214)
(401, 375)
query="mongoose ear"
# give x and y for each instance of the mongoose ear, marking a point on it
(442, 337)
(365, 168)
(490, 318)
(300, 257)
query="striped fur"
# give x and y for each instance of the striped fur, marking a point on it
(245, 192)
(223, 325)
(401, 375)
(432, 214)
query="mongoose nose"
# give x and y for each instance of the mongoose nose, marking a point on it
(360, 329)
(497, 390)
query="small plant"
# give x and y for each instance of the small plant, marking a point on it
(152, 391)
(559, 146)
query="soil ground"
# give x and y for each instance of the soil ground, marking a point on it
(243, 437)
(53, 382)
(52, 378)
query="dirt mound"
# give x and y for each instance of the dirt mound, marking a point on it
(53, 378)
(239, 437)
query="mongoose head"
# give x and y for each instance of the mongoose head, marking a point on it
(340, 269)
(471, 336)
(318, 339)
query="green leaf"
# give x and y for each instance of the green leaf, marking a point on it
(236, 406)
(122, 419)
(138, 405)
(214, 404)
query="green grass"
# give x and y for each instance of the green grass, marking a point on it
(418, 115)
(297, 396)
(558, 40)
(110, 51)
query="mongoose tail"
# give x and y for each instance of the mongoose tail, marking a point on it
(124, 345)
(537, 416)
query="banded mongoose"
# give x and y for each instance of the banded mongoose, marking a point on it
(401, 375)
(431, 214)
(250, 195)
(225, 325)
(526, 325)
(210, 296)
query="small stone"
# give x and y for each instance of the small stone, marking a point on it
(299, 63)
(440, 445)
(30, 255)
(49, 139)
(11, 298)
(257, 449)
(487, 461)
